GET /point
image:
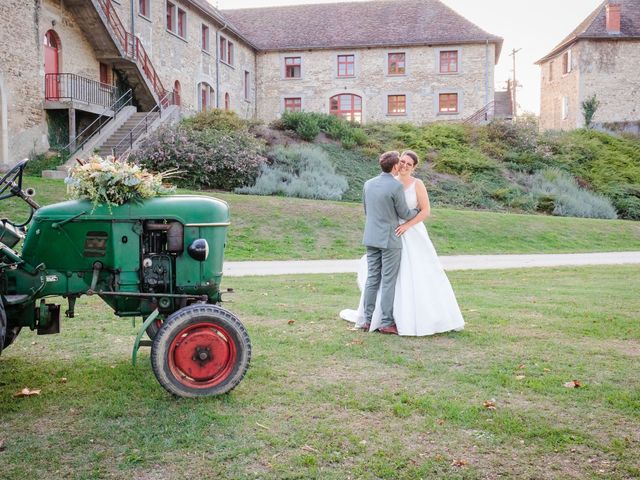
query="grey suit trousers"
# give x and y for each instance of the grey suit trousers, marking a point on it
(383, 266)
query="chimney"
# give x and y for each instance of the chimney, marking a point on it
(613, 17)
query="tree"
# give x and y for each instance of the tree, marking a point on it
(589, 108)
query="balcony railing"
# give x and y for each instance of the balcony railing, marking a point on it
(485, 114)
(133, 48)
(69, 86)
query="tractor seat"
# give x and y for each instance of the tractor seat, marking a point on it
(10, 235)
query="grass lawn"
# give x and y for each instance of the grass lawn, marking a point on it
(322, 401)
(277, 228)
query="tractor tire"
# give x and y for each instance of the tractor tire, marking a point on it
(200, 350)
(3, 326)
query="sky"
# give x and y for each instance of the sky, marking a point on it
(533, 26)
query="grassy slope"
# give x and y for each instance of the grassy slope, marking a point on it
(321, 401)
(270, 228)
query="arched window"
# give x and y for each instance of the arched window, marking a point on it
(346, 105)
(227, 101)
(51, 64)
(206, 97)
(176, 93)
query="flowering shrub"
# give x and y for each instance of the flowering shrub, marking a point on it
(206, 158)
(111, 182)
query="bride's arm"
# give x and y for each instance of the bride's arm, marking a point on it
(423, 205)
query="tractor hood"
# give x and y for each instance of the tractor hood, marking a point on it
(187, 209)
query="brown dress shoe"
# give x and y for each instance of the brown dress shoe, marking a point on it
(365, 326)
(390, 330)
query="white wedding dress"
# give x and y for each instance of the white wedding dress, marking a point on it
(424, 301)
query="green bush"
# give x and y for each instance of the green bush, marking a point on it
(308, 129)
(463, 160)
(205, 158)
(299, 171)
(216, 119)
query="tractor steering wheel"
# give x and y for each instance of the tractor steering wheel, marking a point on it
(8, 181)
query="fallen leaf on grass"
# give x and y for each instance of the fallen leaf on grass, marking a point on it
(489, 404)
(262, 426)
(308, 448)
(573, 384)
(440, 422)
(459, 463)
(291, 322)
(546, 369)
(357, 342)
(25, 392)
(283, 305)
(521, 366)
(63, 380)
(520, 377)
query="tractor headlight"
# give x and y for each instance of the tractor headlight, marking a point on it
(199, 249)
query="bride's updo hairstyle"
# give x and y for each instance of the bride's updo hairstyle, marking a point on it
(412, 155)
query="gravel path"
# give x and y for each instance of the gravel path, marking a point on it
(450, 263)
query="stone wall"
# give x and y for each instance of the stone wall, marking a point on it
(23, 25)
(560, 93)
(609, 69)
(421, 84)
(183, 59)
(605, 68)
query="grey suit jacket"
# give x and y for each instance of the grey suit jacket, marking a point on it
(384, 204)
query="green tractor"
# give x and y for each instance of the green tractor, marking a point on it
(160, 259)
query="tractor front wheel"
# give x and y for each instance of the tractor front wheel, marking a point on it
(200, 350)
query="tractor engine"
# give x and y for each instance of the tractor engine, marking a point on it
(161, 242)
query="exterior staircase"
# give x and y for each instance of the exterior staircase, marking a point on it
(114, 45)
(128, 134)
(503, 105)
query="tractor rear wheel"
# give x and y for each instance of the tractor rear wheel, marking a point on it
(200, 350)
(3, 326)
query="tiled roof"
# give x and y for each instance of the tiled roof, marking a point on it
(595, 26)
(357, 24)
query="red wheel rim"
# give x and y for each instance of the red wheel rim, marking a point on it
(202, 355)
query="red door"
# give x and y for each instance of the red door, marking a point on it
(51, 45)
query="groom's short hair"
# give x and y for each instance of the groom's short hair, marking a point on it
(388, 160)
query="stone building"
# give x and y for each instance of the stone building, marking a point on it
(66, 66)
(600, 57)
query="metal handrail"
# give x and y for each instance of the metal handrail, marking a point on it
(133, 48)
(164, 102)
(75, 87)
(118, 105)
(485, 113)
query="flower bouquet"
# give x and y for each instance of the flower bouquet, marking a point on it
(112, 182)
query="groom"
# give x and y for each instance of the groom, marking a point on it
(384, 204)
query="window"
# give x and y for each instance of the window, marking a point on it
(230, 53)
(346, 65)
(397, 104)
(176, 20)
(551, 71)
(182, 23)
(448, 103)
(565, 108)
(226, 51)
(293, 104)
(144, 8)
(292, 67)
(171, 14)
(205, 38)
(449, 61)
(176, 93)
(566, 62)
(396, 63)
(247, 86)
(227, 101)
(206, 96)
(346, 105)
(104, 74)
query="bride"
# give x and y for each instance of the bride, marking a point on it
(424, 301)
